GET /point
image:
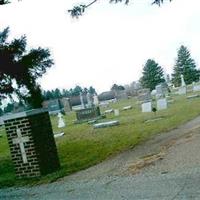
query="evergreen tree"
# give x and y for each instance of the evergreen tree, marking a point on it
(152, 75)
(92, 90)
(22, 67)
(186, 66)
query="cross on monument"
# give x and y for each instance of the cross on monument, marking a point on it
(21, 140)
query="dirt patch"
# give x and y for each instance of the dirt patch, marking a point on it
(146, 161)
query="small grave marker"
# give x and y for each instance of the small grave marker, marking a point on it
(106, 124)
(116, 112)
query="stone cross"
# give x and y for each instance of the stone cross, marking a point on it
(21, 140)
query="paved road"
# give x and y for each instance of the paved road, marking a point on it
(166, 167)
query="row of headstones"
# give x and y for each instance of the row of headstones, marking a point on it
(161, 105)
(182, 90)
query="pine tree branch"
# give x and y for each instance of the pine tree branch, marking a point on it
(77, 11)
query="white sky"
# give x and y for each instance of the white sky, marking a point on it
(110, 43)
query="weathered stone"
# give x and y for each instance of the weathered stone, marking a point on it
(162, 104)
(116, 112)
(193, 96)
(109, 111)
(127, 107)
(182, 90)
(106, 124)
(57, 135)
(147, 107)
(88, 113)
(32, 145)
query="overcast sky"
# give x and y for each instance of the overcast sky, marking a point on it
(109, 43)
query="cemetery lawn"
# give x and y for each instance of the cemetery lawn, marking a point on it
(82, 146)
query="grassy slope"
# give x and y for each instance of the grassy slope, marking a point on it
(82, 146)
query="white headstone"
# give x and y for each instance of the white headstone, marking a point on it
(162, 104)
(96, 100)
(196, 87)
(82, 102)
(116, 112)
(61, 122)
(182, 90)
(89, 101)
(147, 107)
(182, 80)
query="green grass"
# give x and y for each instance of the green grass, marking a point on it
(82, 146)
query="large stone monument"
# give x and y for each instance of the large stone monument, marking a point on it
(32, 145)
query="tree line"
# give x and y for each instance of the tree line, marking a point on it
(76, 91)
(153, 73)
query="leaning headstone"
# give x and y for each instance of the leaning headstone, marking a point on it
(32, 143)
(61, 122)
(106, 124)
(116, 112)
(162, 104)
(147, 107)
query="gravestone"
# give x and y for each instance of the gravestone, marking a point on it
(96, 100)
(66, 104)
(82, 101)
(121, 94)
(32, 145)
(109, 111)
(159, 91)
(116, 112)
(196, 87)
(106, 124)
(53, 106)
(88, 114)
(127, 107)
(147, 107)
(182, 90)
(144, 95)
(162, 104)
(61, 122)
(89, 100)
